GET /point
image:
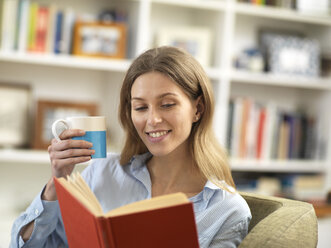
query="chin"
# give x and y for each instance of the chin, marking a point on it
(159, 152)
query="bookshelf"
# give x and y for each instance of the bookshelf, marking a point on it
(234, 26)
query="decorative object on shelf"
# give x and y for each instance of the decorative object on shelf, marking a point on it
(14, 115)
(195, 40)
(310, 7)
(251, 60)
(98, 39)
(293, 55)
(290, 53)
(113, 15)
(49, 111)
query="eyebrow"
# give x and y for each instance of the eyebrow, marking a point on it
(159, 97)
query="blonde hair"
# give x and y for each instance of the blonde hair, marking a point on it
(188, 74)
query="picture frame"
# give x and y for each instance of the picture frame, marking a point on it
(294, 56)
(49, 111)
(95, 39)
(194, 40)
(15, 107)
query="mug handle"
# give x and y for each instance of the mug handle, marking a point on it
(54, 125)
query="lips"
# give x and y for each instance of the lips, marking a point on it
(157, 135)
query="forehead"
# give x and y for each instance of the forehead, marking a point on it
(153, 84)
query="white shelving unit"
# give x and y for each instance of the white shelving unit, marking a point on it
(234, 26)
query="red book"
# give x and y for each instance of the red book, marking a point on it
(41, 28)
(164, 221)
(260, 131)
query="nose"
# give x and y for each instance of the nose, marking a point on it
(154, 117)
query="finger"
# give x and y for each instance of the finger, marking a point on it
(59, 164)
(69, 133)
(68, 144)
(72, 153)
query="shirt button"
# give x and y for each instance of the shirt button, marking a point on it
(36, 211)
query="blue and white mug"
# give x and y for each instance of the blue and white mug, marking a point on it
(94, 127)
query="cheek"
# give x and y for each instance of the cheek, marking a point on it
(137, 121)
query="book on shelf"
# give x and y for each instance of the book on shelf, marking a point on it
(8, 24)
(163, 221)
(266, 131)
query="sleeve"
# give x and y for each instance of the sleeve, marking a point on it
(232, 237)
(48, 226)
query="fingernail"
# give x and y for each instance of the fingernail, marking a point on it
(81, 132)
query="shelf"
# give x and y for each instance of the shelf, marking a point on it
(209, 5)
(24, 156)
(281, 14)
(281, 80)
(288, 166)
(66, 61)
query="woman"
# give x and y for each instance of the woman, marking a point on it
(166, 109)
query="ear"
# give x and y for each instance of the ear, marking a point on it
(200, 108)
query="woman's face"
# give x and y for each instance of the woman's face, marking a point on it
(161, 113)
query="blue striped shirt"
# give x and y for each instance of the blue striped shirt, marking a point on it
(222, 218)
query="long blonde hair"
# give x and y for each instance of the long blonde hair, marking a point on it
(184, 70)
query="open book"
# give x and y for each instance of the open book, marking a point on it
(164, 221)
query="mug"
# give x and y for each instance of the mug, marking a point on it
(95, 131)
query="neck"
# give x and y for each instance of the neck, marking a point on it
(175, 173)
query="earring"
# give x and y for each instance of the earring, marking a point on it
(196, 117)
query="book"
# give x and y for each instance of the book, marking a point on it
(41, 28)
(22, 30)
(163, 221)
(51, 28)
(31, 42)
(8, 24)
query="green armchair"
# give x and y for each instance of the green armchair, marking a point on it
(279, 222)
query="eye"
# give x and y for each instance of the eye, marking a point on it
(140, 108)
(168, 105)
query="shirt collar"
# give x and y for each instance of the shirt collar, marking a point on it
(139, 161)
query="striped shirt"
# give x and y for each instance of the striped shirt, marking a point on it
(222, 218)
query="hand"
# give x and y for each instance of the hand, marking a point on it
(64, 155)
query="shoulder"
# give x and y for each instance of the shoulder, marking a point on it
(230, 206)
(221, 215)
(233, 204)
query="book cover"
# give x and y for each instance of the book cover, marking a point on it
(246, 108)
(33, 12)
(229, 126)
(23, 20)
(8, 24)
(41, 28)
(58, 31)
(237, 119)
(270, 119)
(164, 221)
(252, 128)
(50, 40)
(67, 30)
(260, 132)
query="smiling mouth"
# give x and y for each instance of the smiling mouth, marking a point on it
(157, 134)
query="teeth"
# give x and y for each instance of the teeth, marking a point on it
(157, 134)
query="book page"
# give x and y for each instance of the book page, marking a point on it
(150, 204)
(81, 191)
(79, 182)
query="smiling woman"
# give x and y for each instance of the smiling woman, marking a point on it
(166, 109)
(158, 109)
